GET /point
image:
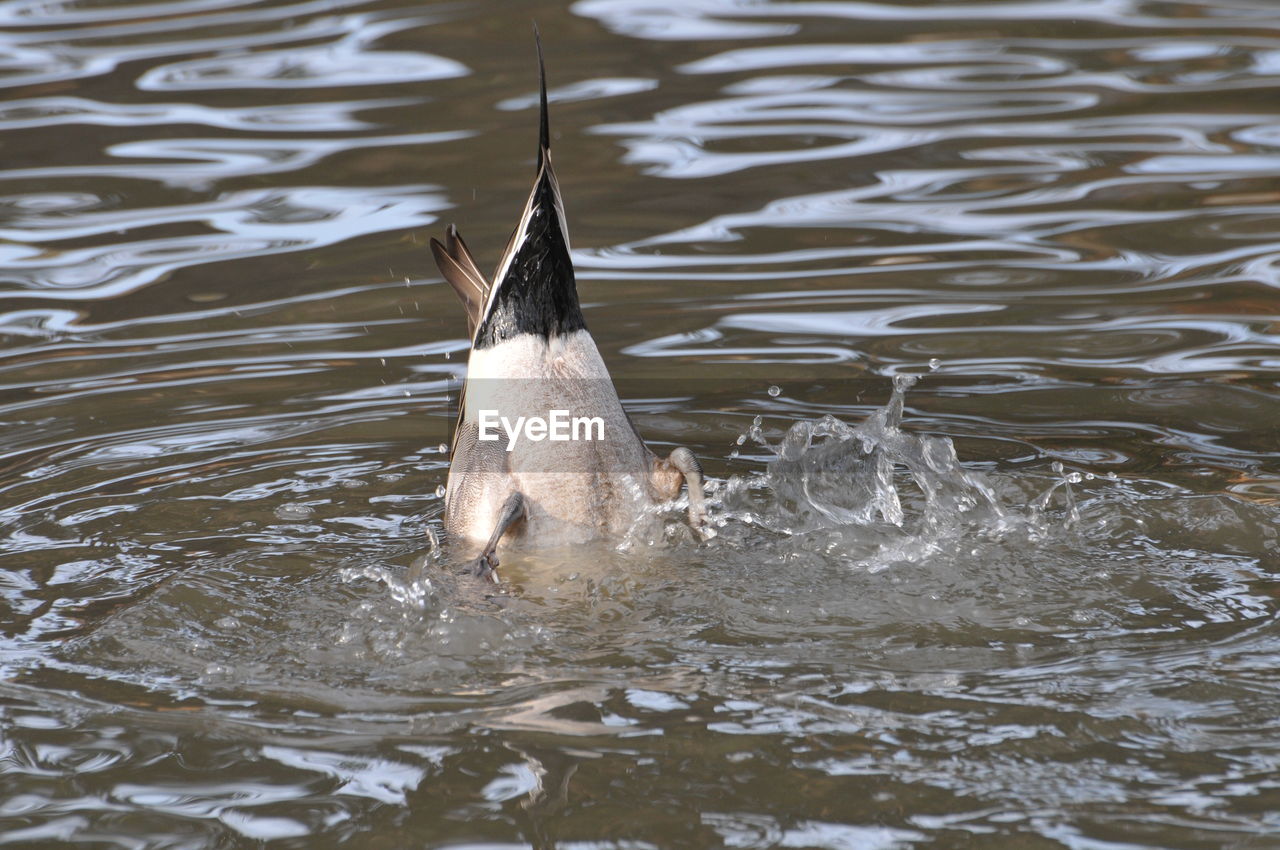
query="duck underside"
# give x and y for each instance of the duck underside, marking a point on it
(513, 477)
(583, 473)
(559, 508)
(490, 506)
(513, 482)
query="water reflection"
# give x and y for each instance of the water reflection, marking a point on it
(346, 61)
(193, 163)
(296, 117)
(244, 224)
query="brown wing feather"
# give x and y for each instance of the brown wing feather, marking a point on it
(475, 467)
(459, 269)
(458, 250)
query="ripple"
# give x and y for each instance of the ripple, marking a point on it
(347, 61)
(245, 224)
(197, 162)
(933, 53)
(56, 12)
(592, 89)
(30, 66)
(722, 19)
(42, 56)
(378, 779)
(308, 117)
(228, 374)
(679, 22)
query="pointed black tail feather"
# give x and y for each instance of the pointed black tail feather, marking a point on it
(544, 129)
(534, 290)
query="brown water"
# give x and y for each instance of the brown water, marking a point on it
(227, 365)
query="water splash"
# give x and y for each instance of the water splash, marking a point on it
(873, 494)
(412, 588)
(1064, 482)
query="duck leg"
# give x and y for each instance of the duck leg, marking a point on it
(486, 566)
(687, 465)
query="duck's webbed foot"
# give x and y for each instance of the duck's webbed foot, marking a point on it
(485, 567)
(687, 464)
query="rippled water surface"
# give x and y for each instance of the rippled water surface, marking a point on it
(1028, 601)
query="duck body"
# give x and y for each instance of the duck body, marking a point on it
(584, 473)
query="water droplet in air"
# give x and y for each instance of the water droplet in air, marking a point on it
(775, 391)
(440, 492)
(443, 448)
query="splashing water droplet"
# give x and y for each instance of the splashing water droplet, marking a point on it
(417, 592)
(876, 495)
(775, 391)
(934, 364)
(902, 383)
(440, 490)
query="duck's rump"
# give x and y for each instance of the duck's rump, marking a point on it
(583, 471)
